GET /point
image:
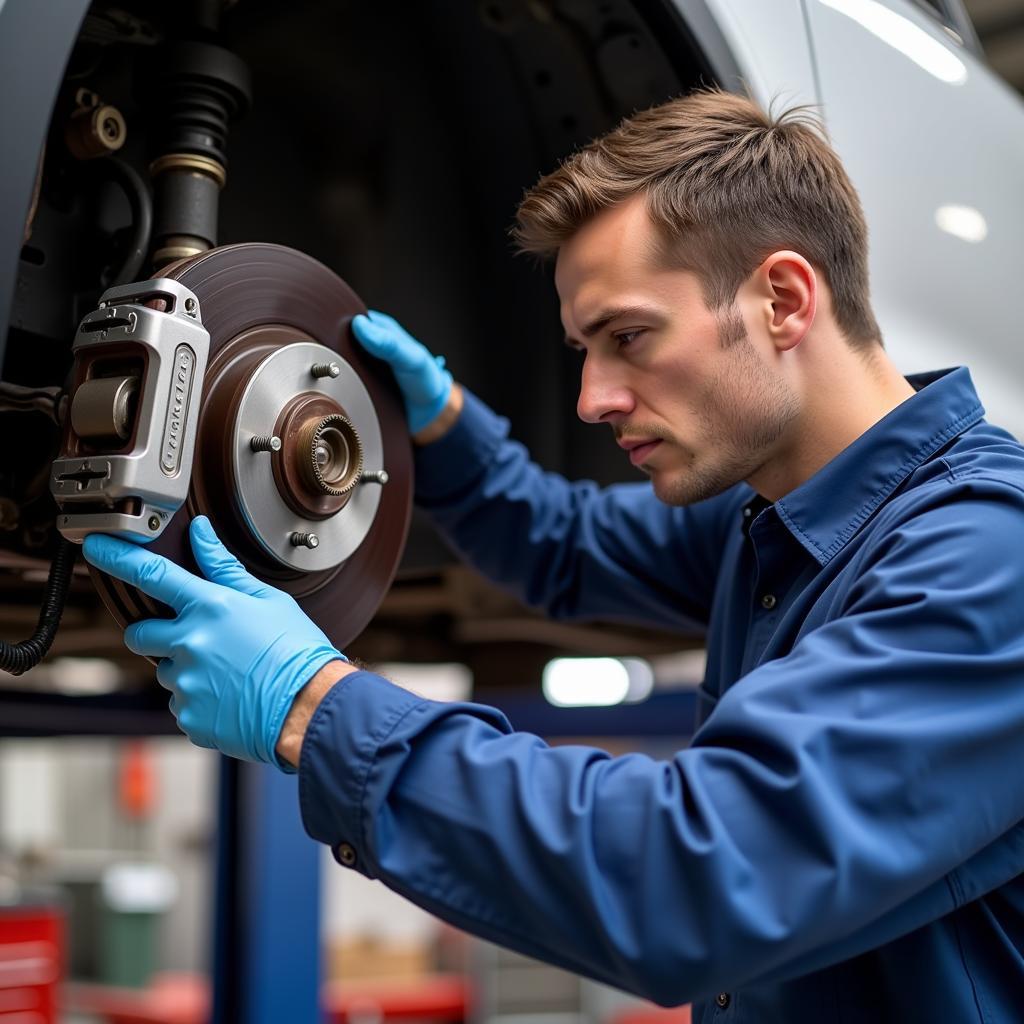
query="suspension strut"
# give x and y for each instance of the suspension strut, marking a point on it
(194, 91)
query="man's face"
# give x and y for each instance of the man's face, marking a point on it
(694, 401)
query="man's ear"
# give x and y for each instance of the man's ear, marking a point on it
(786, 288)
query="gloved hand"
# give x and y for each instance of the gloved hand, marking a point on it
(238, 651)
(424, 382)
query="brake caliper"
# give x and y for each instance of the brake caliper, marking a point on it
(129, 436)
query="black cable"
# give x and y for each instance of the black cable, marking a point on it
(17, 658)
(141, 204)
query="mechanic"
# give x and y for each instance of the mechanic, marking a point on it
(842, 840)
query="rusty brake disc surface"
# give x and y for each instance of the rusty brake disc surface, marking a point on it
(266, 308)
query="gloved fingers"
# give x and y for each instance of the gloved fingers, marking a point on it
(375, 337)
(385, 320)
(388, 341)
(154, 638)
(167, 677)
(153, 574)
(191, 724)
(218, 564)
(184, 713)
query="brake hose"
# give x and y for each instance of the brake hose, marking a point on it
(17, 658)
(18, 398)
(141, 205)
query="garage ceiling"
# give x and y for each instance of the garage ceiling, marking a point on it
(1000, 27)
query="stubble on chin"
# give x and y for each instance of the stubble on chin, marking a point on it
(694, 483)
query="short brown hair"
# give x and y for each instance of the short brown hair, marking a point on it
(727, 184)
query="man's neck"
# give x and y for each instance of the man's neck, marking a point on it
(842, 401)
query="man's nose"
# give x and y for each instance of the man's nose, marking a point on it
(604, 397)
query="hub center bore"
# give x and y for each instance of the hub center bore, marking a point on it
(335, 454)
(321, 457)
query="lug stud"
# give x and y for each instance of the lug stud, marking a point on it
(304, 540)
(375, 476)
(265, 443)
(325, 369)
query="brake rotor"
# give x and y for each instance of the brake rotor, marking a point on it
(324, 515)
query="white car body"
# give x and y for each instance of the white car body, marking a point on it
(934, 142)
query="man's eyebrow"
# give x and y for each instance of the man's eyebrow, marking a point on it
(606, 317)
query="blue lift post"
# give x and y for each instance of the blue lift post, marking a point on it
(267, 956)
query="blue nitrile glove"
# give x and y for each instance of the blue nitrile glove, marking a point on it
(238, 651)
(424, 381)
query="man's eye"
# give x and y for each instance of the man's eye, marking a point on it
(625, 338)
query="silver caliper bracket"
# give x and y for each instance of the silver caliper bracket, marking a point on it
(126, 457)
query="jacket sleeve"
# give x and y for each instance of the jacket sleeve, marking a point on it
(825, 806)
(572, 549)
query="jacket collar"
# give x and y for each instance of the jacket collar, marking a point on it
(824, 512)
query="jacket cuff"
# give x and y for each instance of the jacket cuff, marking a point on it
(338, 753)
(457, 460)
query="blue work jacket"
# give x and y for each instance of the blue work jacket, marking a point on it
(843, 840)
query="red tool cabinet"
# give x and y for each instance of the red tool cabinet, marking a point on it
(31, 963)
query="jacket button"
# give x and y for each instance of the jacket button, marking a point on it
(723, 1000)
(347, 855)
(768, 601)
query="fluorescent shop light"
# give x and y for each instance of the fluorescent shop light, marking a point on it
(596, 682)
(962, 221)
(902, 34)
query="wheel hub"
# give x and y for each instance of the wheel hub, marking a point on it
(312, 485)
